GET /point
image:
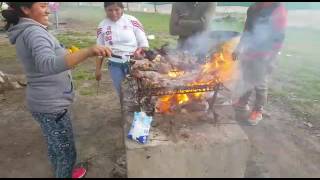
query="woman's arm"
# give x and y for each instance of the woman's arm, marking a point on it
(46, 60)
(81, 55)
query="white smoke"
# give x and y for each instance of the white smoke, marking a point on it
(206, 43)
(260, 40)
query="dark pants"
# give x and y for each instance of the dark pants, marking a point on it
(57, 131)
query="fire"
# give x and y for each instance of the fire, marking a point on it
(175, 73)
(218, 69)
(182, 98)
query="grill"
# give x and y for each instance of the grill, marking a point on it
(160, 91)
(144, 94)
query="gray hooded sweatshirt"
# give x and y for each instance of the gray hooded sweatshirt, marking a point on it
(49, 87)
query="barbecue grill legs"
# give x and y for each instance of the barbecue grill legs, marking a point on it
(147, 106)
(215, 115)
(213, 109)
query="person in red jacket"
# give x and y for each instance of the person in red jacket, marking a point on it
(260, 43)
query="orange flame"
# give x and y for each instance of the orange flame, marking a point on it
(175, 73)
(219, 69)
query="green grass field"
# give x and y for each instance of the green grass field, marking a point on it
(297, 73)
(156, 24)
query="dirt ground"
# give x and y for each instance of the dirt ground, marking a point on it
(281, 145)
(97, 129)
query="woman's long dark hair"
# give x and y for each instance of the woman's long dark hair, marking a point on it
(14, 12)
(119, 4)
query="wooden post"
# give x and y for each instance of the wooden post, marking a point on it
(54, 7)
(128, 7)
(155, 7)
(56, 19)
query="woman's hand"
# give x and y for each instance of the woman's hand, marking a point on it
(139, 53)
(83, 54)
(98, 50)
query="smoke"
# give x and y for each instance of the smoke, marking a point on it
(256, 59)
(206, 42)
(250, 70)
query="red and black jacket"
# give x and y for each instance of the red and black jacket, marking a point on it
(265, 28)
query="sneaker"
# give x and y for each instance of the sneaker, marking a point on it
(79, 172)
(241, 107)
(255, 117)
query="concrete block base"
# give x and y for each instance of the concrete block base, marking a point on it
(188, 146)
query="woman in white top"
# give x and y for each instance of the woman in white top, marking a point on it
(125, 36)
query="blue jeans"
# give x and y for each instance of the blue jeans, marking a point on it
(57, 131)
(118, 72)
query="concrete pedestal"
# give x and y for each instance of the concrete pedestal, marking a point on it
(185, 145)
(201, 151)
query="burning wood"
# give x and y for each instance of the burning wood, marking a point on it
(171, 71)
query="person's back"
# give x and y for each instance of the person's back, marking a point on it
(265, 27)
(190, 18)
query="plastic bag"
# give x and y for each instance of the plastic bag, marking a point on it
(140, 127)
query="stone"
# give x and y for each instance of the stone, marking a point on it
(11, 82)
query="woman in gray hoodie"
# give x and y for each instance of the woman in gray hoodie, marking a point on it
(49, 89)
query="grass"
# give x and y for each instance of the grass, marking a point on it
(7, 52)
(83, 79)
(83, 74)
(298, 73)
(156, 24)
(153, 22)
(81, 40)
(231, 23)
